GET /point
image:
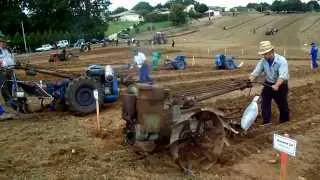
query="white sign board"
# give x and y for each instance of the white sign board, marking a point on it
(95, 94)
(284, 144)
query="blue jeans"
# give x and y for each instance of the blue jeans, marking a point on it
(144, 75)
(314, 63)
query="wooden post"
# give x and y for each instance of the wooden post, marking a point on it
(193, 61)
(96, 97)
(284, 163)
(225, 51)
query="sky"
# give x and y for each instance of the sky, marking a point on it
(225, 3)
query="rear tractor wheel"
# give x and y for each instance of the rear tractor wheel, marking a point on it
(79, 95)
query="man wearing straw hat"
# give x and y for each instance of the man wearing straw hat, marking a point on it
(275, 68)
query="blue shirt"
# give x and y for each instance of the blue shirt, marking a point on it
(277, 70)
(6, 58)
(314, 52)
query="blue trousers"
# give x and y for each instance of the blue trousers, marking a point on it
(144, 75)
(314, 63)
(1, 110)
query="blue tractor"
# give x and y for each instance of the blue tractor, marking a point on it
(226, 62)
(74, 92)
(179, 63)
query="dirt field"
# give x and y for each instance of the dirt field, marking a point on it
(59, 145)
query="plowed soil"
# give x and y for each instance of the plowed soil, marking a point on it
(59, 145)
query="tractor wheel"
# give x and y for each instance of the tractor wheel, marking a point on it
(79, 95)
(85, 49)
(200, 140)
(180, 65)
(69, 57)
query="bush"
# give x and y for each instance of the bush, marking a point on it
(177, 15)
(153, 17)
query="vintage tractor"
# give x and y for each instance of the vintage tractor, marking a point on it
(158, 118)
(74, 92)
(271, 31)
(62, 56)
(160, 38)
(179, 63)
(226, 62)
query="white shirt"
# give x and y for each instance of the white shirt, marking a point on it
(6, 58)
(139, 59)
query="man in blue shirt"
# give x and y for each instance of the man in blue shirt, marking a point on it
(6, 59)
(275, 68)
(314, 56)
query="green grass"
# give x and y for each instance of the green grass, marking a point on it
(117, 26)
(158, 26)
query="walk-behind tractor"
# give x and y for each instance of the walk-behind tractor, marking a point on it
(226, 62)
(157, 118)
(179, 63)
(74, 92)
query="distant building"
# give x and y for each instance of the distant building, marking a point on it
(217, 8)
(128, 16)
(190, 8)
(212, 13)
(162, 11)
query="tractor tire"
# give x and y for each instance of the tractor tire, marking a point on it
(180, 65)
(69, 57)
(79, 96)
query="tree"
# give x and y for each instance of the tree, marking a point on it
(11, 16)
(277, 5)
(177, 15)
(159, 6)
(313, 6)
(201, 8)
(259, 7)
(119, 10)
(289, 5)
(143, 7)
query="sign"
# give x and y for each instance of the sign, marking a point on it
(95, 94)
(284, 144)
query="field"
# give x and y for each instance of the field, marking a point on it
(59, 145)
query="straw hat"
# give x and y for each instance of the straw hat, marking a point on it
(265, 47)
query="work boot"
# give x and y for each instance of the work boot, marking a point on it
(6, 116)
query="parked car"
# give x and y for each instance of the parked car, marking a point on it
(123, 35)
(45, 47)
(63, 44)
(79, 43)
(94, 41)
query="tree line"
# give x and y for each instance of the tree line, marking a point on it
(287, 5)
(51, 20)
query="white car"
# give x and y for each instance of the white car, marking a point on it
(45, 47)
(63, 44)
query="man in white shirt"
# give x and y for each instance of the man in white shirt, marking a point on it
(6, 58)
(140, 61)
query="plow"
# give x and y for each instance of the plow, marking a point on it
(158, 118)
